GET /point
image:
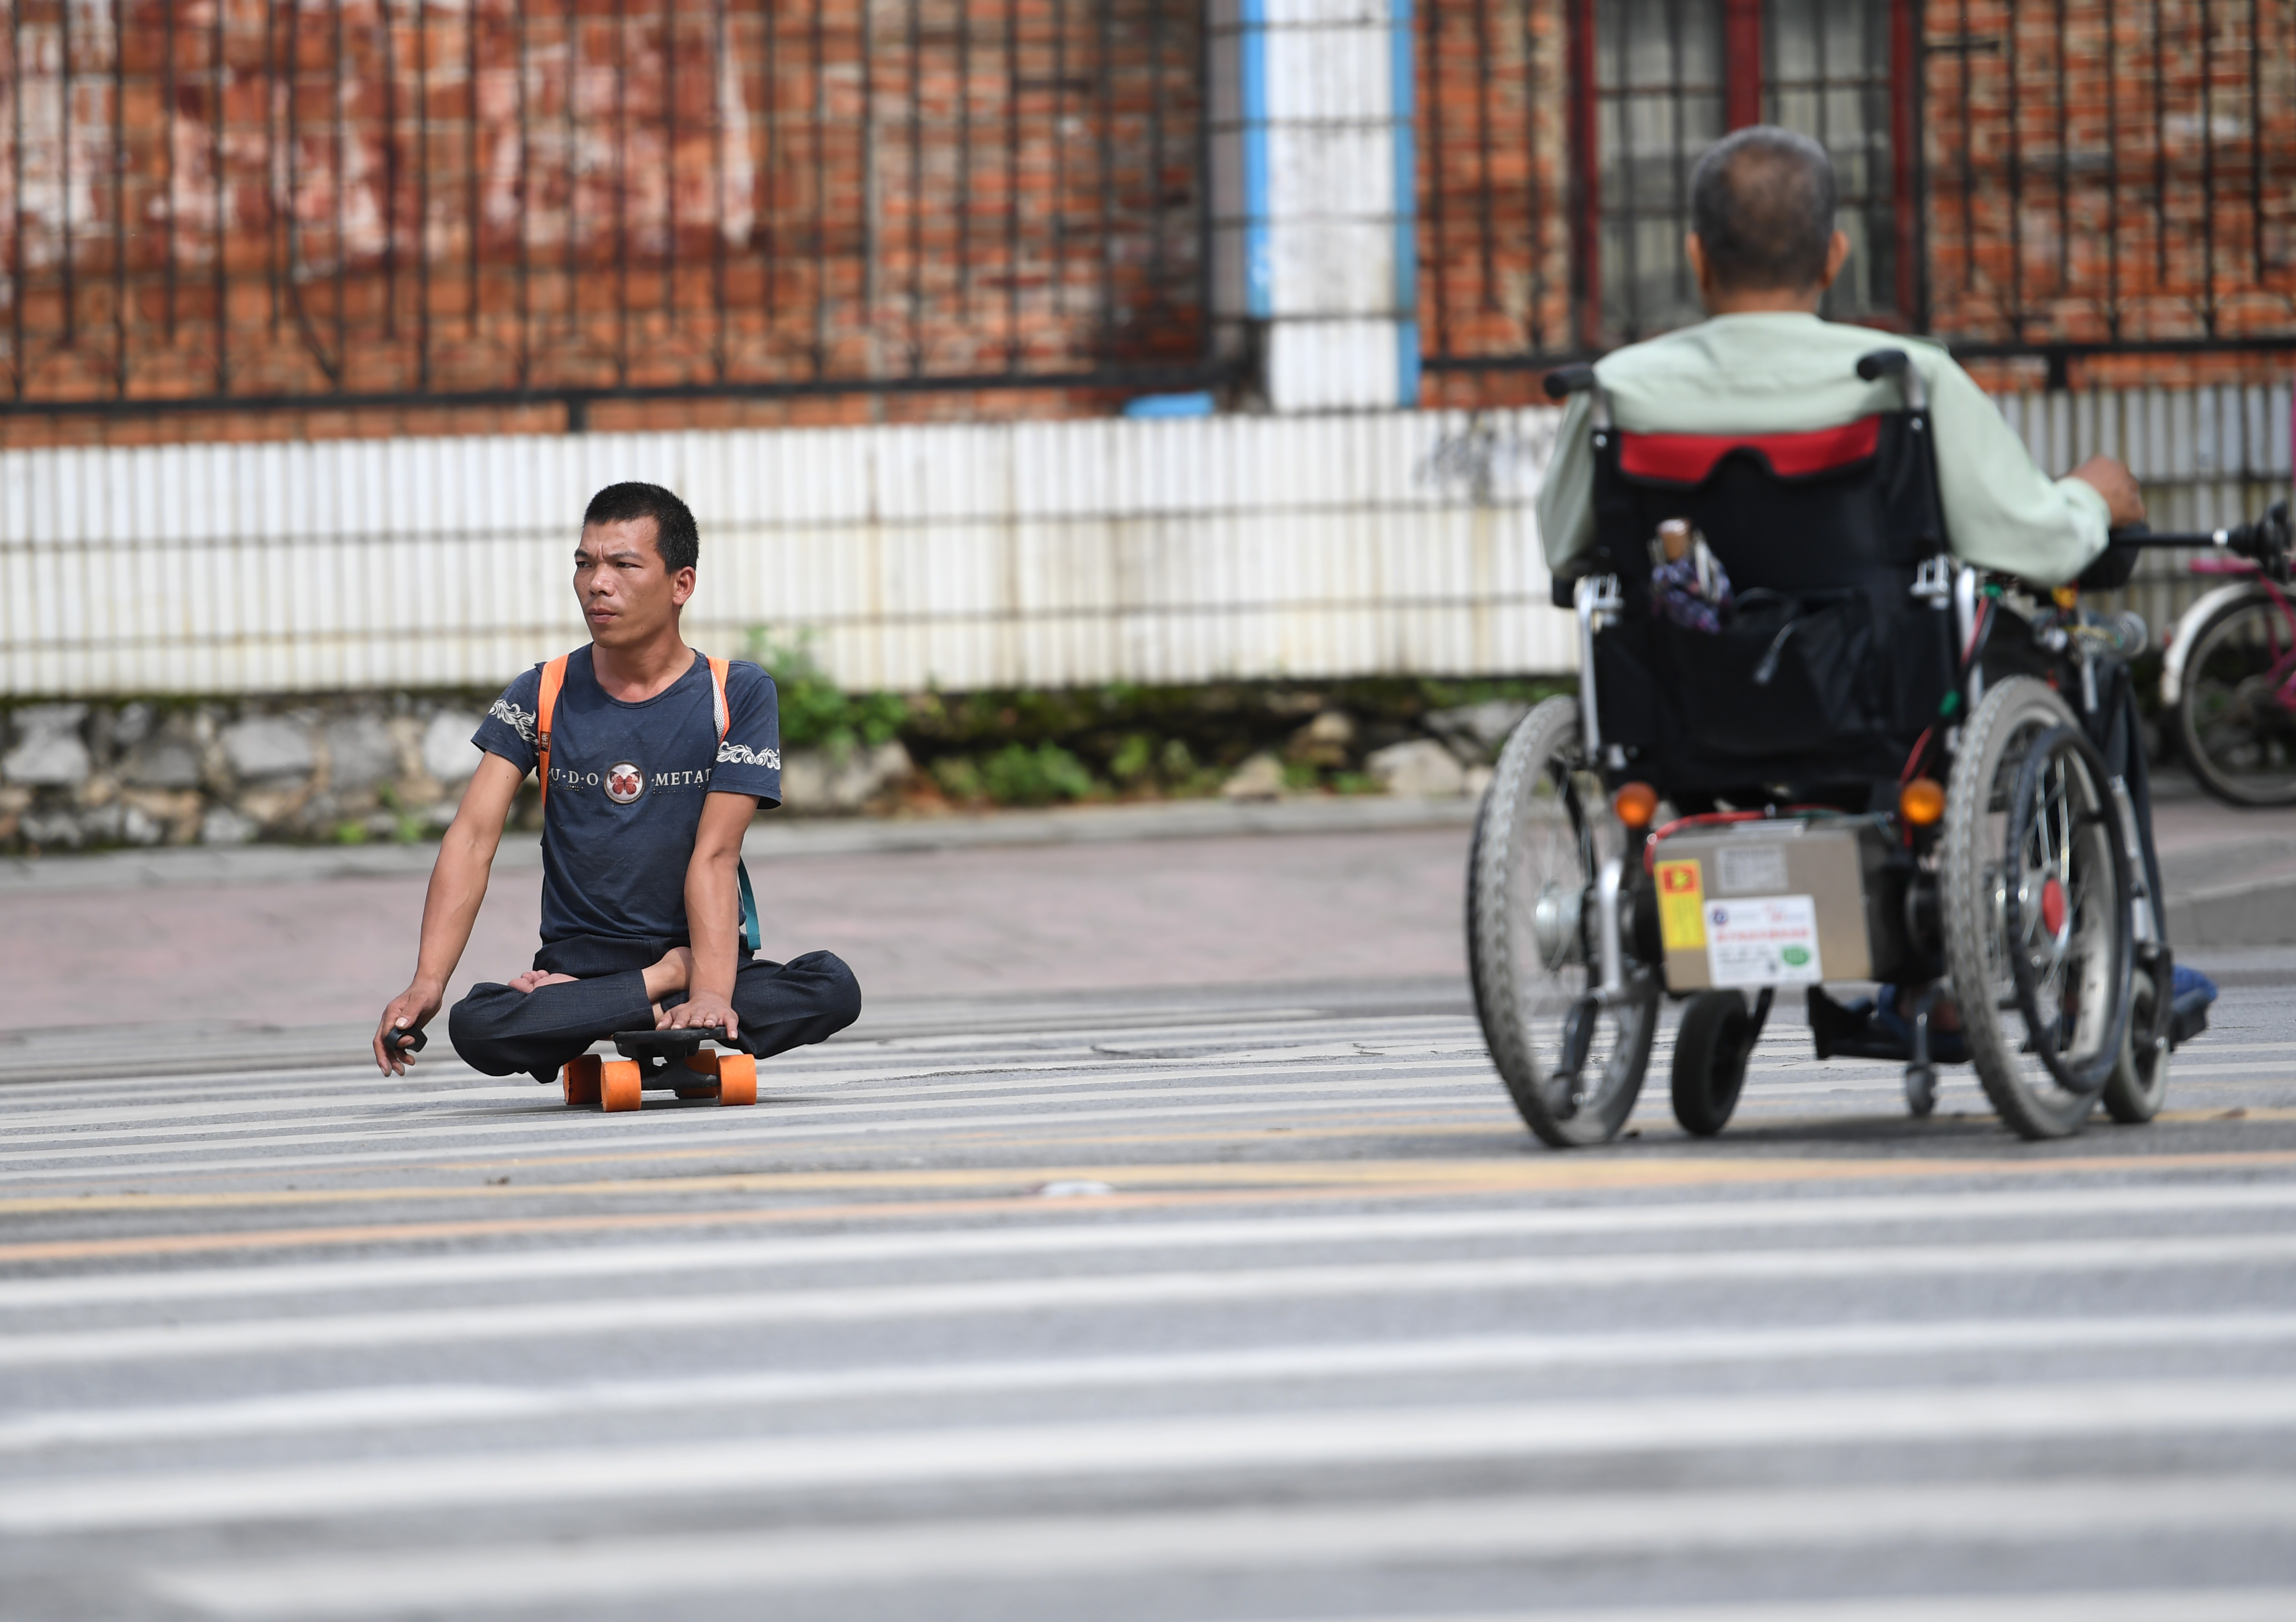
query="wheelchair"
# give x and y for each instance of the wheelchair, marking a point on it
(1879, 764)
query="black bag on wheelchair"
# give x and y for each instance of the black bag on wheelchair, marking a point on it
(1829, 668)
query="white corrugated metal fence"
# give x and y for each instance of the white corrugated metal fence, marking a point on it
(1040, 554)
(965, 556)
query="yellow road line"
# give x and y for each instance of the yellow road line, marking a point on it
(1353, 1181)
(1235, 1174)
(863, 1141)
(1531, 1172)
(1499, 1177)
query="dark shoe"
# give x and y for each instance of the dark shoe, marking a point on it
(2188, 1014)
(1836, 1027)
(1946, 1047)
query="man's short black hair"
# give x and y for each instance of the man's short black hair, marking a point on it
(675, 536)
(1761, 201)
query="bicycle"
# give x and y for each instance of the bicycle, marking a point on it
(2228, 682)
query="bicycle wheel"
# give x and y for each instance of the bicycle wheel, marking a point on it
(1572, 1060)
(2237, 713)
(2037, 905)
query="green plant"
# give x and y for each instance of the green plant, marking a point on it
(1017, 775)
(815, 712)
(958, 777)
(351, 833)
(405, 826)
(1134, 759)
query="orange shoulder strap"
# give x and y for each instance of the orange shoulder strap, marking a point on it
(750, 931)
(718, 668)
(554, 677)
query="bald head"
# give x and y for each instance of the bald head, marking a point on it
(1762, 205)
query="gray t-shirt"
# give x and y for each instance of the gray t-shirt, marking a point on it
(626, 783)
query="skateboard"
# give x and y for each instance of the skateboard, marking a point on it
(662, 1060)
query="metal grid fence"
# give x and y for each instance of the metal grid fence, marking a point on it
(234, 203)
(2108, 177)
(2063, 179)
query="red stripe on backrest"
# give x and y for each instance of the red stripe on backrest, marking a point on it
(1687, 459)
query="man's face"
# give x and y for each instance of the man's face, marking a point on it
(626, 595)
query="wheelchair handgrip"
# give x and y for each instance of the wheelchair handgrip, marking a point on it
(1564, 382)
(2110, 568)
(1881, 363)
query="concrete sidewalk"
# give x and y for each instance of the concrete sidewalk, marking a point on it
(2230, 873)
(270, 944)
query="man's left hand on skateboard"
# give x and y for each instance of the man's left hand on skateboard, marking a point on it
(702, 1009)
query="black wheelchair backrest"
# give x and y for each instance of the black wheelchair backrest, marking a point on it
(1829, 663)
(1828, 508)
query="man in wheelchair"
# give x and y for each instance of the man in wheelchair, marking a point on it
(1828, 618)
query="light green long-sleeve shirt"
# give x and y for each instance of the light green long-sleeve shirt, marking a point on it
(1783, 373)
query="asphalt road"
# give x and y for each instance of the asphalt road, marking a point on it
(1247, 1303)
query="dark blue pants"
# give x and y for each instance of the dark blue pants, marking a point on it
(501, 1032)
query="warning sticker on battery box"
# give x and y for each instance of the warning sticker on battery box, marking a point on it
(1681, 906)
(1763, 940)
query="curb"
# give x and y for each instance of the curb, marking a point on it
(768, 838)
(2256, 914)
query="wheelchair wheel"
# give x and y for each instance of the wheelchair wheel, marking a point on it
(1710, 1051)
(1573, 1061)
(2139, 1082)
(2037, 910)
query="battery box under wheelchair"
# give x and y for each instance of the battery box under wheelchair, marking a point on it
(1786, 904)
(1778, 901)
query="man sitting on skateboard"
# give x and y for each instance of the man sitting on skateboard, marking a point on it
(652, 761)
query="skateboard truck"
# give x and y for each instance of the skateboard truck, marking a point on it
(659, 1059)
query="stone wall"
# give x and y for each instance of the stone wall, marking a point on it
(378, 766)
(227, 771)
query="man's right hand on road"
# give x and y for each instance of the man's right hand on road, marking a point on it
(410, 1011)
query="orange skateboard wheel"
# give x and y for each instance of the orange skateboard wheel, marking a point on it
(737, 1078)
(580, 1080)
(619, 1085)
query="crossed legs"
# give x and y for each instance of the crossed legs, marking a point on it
(546, 1017)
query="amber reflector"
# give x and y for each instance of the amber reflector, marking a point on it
(1922, 801)
(1636, 804)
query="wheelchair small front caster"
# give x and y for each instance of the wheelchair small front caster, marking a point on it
(1921, 1089)
(1710, 1049)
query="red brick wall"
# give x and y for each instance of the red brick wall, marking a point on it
(514, 194)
